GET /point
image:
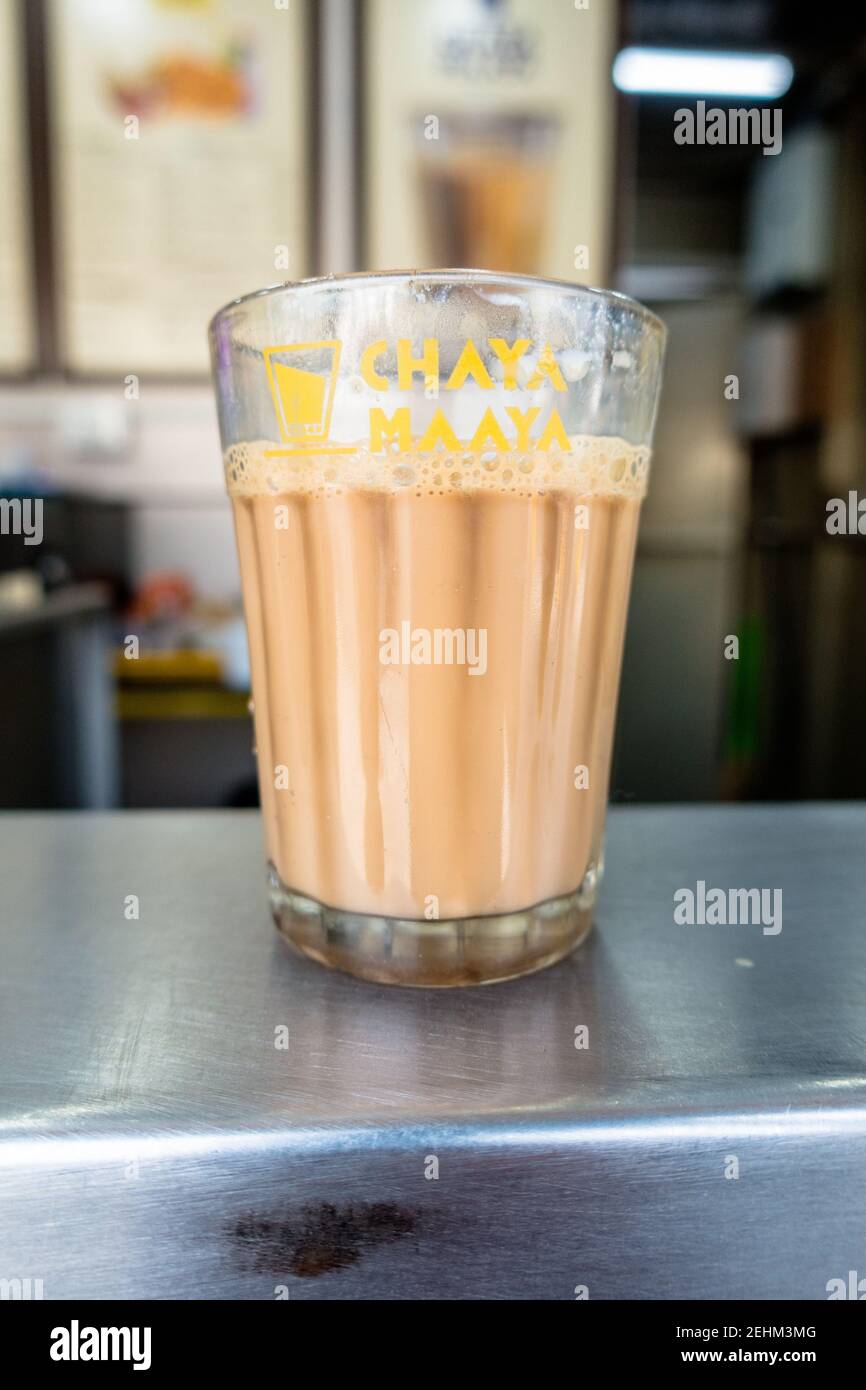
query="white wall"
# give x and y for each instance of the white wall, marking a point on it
(160, 453)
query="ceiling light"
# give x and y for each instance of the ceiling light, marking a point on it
(691, 72)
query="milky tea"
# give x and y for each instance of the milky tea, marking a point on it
(436, 482)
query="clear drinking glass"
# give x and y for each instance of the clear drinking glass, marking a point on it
(436, 478)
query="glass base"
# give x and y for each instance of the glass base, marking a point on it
(459, 951)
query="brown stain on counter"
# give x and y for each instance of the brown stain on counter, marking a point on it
(321, 1238)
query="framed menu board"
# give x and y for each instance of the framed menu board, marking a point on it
(17, 328)
(181, 170)
(490, 130)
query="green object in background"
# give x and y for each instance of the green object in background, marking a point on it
(741, 737)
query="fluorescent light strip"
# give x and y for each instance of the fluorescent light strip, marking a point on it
(689, 72)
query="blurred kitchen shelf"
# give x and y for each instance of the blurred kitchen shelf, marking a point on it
(182, 664)
(169, 685)
(63, 605)
(182, 703)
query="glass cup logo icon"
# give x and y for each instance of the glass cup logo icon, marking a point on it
(303, 396)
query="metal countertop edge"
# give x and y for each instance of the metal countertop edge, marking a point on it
(58, 1152)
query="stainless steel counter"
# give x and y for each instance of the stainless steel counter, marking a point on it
(156, 1143)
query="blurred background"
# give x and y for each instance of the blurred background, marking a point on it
(159, 157)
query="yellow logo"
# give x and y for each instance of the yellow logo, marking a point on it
(303, 379)
(304, 396)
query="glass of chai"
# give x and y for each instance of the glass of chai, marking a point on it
(436, 479)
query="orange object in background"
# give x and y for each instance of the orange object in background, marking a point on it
(187, 83)
(162, 596)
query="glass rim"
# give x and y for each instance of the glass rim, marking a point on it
(446, 275)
